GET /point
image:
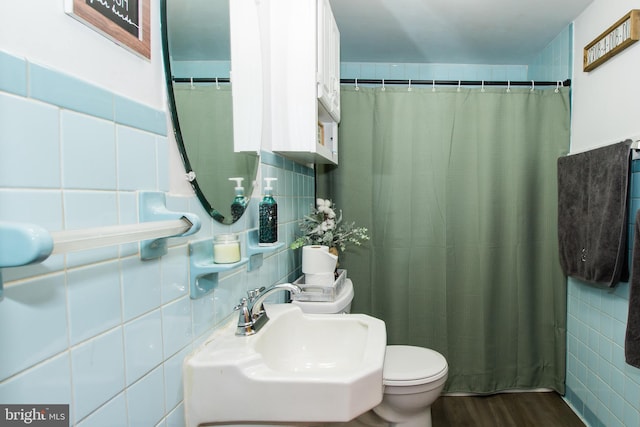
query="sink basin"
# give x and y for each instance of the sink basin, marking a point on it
(298, 368)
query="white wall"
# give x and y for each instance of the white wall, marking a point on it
(606, 101)
(40, 31)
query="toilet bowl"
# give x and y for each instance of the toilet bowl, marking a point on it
(413, 377)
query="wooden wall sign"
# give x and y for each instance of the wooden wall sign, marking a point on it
(126, 22)
(614, 40)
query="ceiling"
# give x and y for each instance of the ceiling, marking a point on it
(450, 31)
(400, 31)
(198, 30)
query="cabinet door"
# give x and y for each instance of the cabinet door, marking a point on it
(335, 75)
(301, 82)
(247, 87)
(328, 65)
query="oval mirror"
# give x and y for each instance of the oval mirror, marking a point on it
(197, 62)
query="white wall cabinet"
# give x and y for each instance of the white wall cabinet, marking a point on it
(304, 56)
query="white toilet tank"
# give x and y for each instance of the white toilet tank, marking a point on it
(341, 304)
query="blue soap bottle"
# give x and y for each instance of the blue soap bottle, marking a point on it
(239, 203)
(268, 213)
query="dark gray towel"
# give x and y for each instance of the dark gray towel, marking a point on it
(592, 214)
(632, 337)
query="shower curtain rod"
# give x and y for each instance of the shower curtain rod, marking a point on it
(530, 83)
(201, 79)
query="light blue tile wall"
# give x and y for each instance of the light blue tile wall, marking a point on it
(601, 387)
(555, 62)
(405, 71)
(552, 64)
(100, 329)
(32, 128)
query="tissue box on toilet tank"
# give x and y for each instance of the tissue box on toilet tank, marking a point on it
(320, 292)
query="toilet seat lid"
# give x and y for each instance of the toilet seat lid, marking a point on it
(406, 365)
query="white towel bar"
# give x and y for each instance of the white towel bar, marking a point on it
(90, 238)
(24, 243)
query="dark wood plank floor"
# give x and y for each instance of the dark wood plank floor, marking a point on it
(504, 410)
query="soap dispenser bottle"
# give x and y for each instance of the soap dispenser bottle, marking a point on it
(268, 230)
(239, 203)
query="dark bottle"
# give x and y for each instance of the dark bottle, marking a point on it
(268, 213)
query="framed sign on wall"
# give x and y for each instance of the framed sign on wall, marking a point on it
(126, 22)
(615, 39)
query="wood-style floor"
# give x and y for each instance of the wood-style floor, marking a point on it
(504, 410)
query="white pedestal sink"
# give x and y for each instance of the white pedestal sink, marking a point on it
(298, 368)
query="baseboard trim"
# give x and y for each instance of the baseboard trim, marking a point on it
(532, 390)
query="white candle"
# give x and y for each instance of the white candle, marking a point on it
(226, 249)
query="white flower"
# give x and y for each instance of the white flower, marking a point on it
(328, 224)
(324, 205)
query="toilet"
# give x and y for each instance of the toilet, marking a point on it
(413, 377)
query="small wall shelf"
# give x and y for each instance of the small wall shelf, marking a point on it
(255, 252)
(203, 272)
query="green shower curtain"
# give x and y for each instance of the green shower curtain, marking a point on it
(458, 190)
(206, 122)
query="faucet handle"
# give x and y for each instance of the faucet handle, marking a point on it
(243, 303)
(252, 294)
(245, 323)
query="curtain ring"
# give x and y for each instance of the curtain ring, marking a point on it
(533, 85)
(383, 88)
(191, 81)
(409, 88)
(557, 86)
(357, 87)
(508, 86)
(217, 85)
(433, 85)
(459, 83)
(482, 87)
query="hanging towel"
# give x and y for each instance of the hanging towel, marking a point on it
(632, 337)
(592, 214)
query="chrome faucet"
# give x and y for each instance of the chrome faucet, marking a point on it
(252, 315)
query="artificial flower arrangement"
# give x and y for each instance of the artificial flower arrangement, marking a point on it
(323, 227)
